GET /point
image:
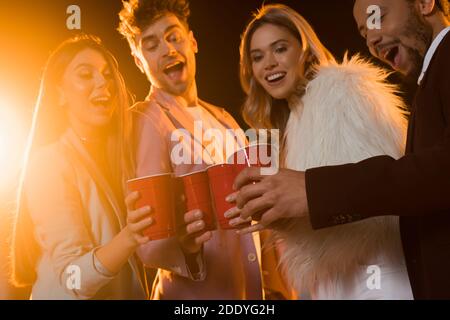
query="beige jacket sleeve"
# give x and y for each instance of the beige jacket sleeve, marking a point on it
(60, 222)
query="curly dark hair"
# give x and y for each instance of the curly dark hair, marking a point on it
(136, 15)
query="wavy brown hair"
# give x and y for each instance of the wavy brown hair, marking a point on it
(48, 124)
(260, 110)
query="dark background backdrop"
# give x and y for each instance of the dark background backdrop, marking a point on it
(29, 30)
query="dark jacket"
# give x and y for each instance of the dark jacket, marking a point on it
(415, 187)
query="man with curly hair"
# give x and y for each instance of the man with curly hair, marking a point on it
(198, 264)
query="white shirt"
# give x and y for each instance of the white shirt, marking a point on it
(214, 135)
(430, 53)
(217, 147)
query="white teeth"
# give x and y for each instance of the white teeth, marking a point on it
(389, 54)
(172, 65)
(102, 99)
(275, 76)
(385, 56)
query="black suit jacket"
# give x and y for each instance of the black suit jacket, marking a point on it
(415, 187)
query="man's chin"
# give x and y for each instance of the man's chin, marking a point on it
(411, 72)
(410, 76)
(177, 89)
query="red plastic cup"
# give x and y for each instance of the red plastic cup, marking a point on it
(257, 155)
(197, 196)
(157, 191)
(221, 179)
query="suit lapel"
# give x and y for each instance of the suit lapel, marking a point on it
(411, 129)
(79, 152)
(177, 113)
(175, 108)
(220, 114)
(412, 118)
(227, 121)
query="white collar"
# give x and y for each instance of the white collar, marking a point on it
(430, 53)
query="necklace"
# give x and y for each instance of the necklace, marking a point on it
(90, 141)
(85, 140)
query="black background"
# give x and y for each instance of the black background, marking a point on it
(30, 30)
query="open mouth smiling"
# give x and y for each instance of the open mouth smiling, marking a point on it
(102, 101)
(275, 77)
(173, 67)
(392, 56)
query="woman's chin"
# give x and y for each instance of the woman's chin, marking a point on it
(100, 122)
(278, 94)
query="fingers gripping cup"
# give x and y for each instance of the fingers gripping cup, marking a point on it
(157, 191)
(255, 155)
(197, 196)
(221, 179)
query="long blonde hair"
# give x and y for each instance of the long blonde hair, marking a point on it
(258, 109)
(48, 124)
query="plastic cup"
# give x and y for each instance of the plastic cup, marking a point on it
(158, 192)
(257, 155)
(221, 179)
(197, 196)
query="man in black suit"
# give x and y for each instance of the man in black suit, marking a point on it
(415, 40)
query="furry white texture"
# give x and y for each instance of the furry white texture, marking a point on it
(347, 114)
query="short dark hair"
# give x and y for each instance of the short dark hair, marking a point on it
(136, 15)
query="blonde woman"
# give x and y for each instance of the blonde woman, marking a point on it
(71, 237)
(328, 114)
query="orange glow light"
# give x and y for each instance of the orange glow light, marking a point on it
(12, 143)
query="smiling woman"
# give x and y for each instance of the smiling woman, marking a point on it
(336, 113)
(70, 211)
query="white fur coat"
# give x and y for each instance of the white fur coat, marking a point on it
(347, 114)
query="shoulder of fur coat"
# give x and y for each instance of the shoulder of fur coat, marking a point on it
(347, 114)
